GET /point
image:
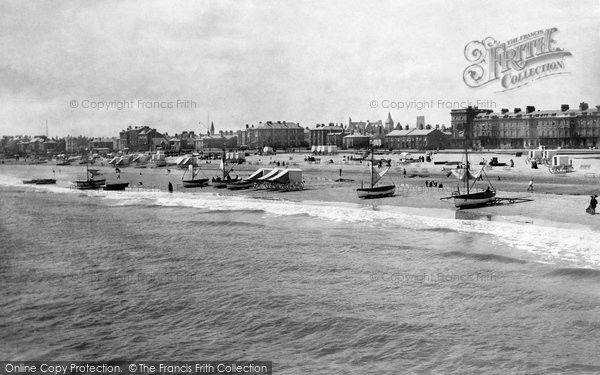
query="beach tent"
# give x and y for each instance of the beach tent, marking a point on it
(259, 173)
(535, 154)
(185, 162)
(313, 149)
(332, 149)
(548, 154)
(287, 176)
(560, 161)
(267, 176)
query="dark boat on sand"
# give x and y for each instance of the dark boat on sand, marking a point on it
(194, 182)
(40, 181)
(374, 191)
(116, 186)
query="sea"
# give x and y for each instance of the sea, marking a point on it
(316, 287)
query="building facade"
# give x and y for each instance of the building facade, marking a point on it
(275, 134)
(320, 135)
(357, 141)
(565, 128)
(416, 139)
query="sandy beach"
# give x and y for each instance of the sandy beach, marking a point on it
(557, 198)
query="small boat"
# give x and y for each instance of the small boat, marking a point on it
(241, 184)
(45, 181)
(194, 182)
(471, 199)
(222, 182)
(474, 199)
(94, 180)
(376, 191)
(40, 181)
(116, 186)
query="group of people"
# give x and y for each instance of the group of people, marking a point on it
(433, 184)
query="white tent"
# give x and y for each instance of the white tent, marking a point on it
(259, 173)
(267, 176)
(287, 176)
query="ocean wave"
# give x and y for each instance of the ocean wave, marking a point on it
(548, 243)
(482, 257)
(578, 273)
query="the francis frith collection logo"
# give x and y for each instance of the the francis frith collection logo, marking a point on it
(516, 62)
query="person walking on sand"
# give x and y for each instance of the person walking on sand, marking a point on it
(404, 172)
(530, 187)
(592, 207)
(340, 172)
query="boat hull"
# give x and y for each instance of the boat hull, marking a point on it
(89, 184)
(200, 182)
(45, 181)
(116, 186)
(222, 184)
(474, 199)
(376, 192)
(240, 185)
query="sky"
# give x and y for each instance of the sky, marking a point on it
(94, 68)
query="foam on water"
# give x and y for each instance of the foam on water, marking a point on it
(548, 242)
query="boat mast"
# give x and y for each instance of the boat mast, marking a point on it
(467, 172)
(467, 131)
(371, 167)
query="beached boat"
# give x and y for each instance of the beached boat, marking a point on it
(222, 182)
(240, 184)
(93, 180)
(45, 181)
(193, 182)
(40, 181)
(375, 191)
(116, 186)
(468, 198)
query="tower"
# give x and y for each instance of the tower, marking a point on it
(389, 123)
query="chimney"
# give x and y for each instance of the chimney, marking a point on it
(530, 109)
(583, 106)
(564, 107)
(504, 110)
(517, 110)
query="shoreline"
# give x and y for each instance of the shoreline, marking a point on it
(561, 202)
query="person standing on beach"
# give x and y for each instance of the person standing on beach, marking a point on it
(530, 187)
(404, 172)
(340, 172)
(592, 207)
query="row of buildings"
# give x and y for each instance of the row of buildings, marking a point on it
(470, 127)
(564, 127)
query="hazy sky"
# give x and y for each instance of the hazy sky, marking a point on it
(249, 61)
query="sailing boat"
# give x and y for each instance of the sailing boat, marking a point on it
(471, 199)
(376, 191)
(221, 182)
(193, 181)
(90, 182)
